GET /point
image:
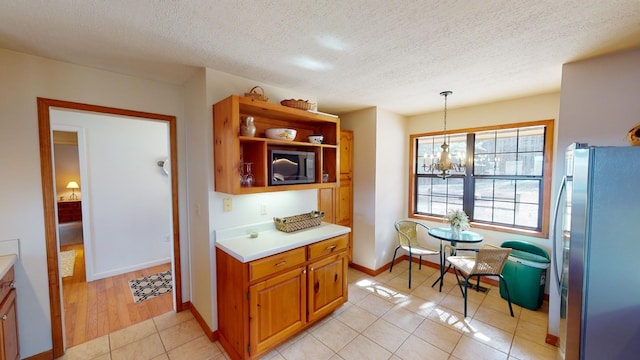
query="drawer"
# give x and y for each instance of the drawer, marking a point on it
(7, 283)
(276, 263)
(328, 246)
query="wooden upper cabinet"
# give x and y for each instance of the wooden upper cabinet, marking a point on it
(231, 149)
(346, 151)
(327, 204)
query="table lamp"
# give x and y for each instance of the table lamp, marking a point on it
(73, 186)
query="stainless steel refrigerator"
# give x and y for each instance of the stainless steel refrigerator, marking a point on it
(597, 253)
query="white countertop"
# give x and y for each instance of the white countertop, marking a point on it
(6, 262)
(238, 243)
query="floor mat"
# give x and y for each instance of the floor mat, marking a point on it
(148, 287)
(67, 262)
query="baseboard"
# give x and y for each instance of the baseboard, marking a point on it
(184, 306)
(363, 269)
(46, 355)
(212, 335)
(416, 261)
(124, 270)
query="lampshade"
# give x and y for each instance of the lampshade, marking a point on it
(73, 185)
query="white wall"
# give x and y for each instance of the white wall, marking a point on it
(392, 181)
(598, 105)
(25, 78)
(126, 195)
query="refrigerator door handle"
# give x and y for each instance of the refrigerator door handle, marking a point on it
(554, 253)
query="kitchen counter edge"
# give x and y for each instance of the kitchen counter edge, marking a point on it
(6, 262)
(271, 242)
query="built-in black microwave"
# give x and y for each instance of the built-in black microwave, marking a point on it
(291, 167)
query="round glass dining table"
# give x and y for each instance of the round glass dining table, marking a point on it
(445, 234)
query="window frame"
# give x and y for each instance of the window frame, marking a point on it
(547, 171)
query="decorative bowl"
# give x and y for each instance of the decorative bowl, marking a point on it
(281, 134)
(315, 139)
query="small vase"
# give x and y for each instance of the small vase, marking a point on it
(246, 177)
(247, 128)
(456, 231)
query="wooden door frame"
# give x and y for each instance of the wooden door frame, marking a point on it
(49, 203)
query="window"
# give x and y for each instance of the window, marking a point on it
(500, 179)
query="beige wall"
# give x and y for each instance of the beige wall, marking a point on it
(24, 79)
(364, 126)
(391, 182)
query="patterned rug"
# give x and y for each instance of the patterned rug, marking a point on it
(151, 286)
(67, 262)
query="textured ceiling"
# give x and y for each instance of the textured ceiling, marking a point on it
(394, 54)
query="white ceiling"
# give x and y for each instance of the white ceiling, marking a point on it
(394, 54)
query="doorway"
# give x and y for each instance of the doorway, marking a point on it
(49, 201)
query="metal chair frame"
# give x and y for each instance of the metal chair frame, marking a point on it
(489, 261)
(407, 239)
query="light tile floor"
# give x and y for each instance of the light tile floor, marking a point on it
(382, 320)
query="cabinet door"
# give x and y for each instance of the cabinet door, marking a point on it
(9, 348)
(346, 151)
(344, 201)
(277, 308)
(327, 203)
(327, 285)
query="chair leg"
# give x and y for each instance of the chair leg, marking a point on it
(502, 279)
(466, 291)
(410, 261)
(455, 271)
(394, 258)
(420, 266)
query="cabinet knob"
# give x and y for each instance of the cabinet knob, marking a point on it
(4, 317)
(280, 263)
(12, 284)
(331, 248)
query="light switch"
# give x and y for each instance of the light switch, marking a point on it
(263, 209)
(228, 204)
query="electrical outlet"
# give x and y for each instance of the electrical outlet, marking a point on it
(228, 204)
(263, 209)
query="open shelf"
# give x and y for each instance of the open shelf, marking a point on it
(232, 149)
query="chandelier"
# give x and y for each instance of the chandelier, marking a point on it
(443, 163)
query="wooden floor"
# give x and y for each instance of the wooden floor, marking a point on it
(102, 306)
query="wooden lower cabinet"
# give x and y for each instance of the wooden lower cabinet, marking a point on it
(277, 309)
(9, 348)
(326, 287)
(263, 303)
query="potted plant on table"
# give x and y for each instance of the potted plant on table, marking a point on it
(458, 220)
